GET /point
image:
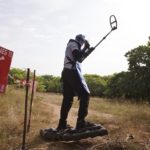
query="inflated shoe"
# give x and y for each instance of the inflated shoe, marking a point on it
(84, 124)
(62, 125)
(67, 126)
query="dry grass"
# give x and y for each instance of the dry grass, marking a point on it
(120, 118)
(12, 116)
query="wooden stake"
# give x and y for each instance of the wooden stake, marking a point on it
(25, 111)
(31, 101)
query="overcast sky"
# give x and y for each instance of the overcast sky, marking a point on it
(38, 31)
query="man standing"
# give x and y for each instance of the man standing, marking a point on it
(74, 83)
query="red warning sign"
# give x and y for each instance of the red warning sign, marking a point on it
(5, 62)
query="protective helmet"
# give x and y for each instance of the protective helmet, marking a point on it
(80, 38)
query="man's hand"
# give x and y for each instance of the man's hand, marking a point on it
(87, 45)
(91, 49)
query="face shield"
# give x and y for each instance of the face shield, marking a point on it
(80, 38)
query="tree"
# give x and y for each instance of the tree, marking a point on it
(16, 74)
(49, 83)
(139, 67)
(96, 84)
(148, 43)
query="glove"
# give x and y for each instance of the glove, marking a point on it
(91, 49)
(87, 45)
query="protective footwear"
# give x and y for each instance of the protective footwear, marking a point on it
(84, 124)
(62, 125)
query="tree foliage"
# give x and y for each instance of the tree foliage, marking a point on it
(139, 67)
(132, 84)
(16, 74)
(96, 84)
(135, 83)
(49, 83)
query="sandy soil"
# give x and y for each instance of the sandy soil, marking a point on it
(97, 143)
(85, 144)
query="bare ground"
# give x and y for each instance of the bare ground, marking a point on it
(97, 143)
(73, 145)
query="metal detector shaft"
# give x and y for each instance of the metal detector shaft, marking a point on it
(103, 39)
(113, 25)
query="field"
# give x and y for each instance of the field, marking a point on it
(128, 123)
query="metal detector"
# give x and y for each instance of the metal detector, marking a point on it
(113, 25)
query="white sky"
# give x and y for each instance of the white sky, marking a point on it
(38, 31)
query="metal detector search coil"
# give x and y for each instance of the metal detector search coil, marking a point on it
(113, 25)
(113, 22)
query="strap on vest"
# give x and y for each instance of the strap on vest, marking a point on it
(71, 62)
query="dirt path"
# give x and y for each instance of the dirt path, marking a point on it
(85, 144)
(51, 102)
(73, 113)
(56, 110)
